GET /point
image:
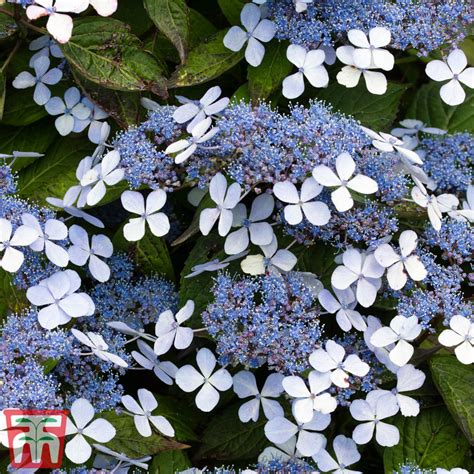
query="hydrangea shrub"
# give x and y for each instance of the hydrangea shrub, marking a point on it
(236, 236)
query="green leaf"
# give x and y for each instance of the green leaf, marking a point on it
(132, 12)
(455, 382)
(20, 109)
(152, 256)
(428, 107)
(198, 288)
(207, 61)
(169, 462)
(11, 299)
(183, 419)
(105, 52)
(171, 17)
(54, 173)
(129, 442)
(200, 28)
(429, 440)
(266, 78)
(151, 253)
(242, 93)
(8, 26)
(37, 137)
(123, 107)
(226, 438)
(231, 10)
(373, 111)
(3, 90)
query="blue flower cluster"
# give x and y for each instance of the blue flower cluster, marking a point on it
(455, 239)
(268, 319)
(262, 145)
(141, 158)
(423, 25)
(355, 344)
(441, 298)
(448, 161)
(367, 225)
(141, 299)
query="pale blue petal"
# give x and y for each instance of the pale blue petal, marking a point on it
(55, 106)
(42, 94)
(52, 77)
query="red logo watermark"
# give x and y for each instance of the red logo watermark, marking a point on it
(36, 437)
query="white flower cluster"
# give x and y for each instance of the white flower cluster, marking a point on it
(364, 56)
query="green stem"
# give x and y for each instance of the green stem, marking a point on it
(10, 56)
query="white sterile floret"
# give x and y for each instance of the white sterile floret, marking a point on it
(58, 24)
(189, 379)
(77, 194)
(408, 379)
(103, 461)
(245, 385)
(103, 7)
(346, 453)
(382, 353)
(343, 181)
(94, 121)
(142, 414)
(333, 360)
(413, 127)
(361, 269)
(455, 71)
(388, 143)
(193, 111)
(158, 222)
(429, 202)
(258, 31)
(187, 146)
(124, 328)
(213, 265)
(71, 111)
(399, 265)
(279, 430)
(226, 198)
(282, 452)
(468, 204)
(301, 5)
(455, 470)
(84, 251)
(74, 211)
(84, 427)
(272, 260)
(12, 258)
(349, 75)
(60, 300)
(54, 230)
(43, 77)
(307, 401)
(104, 173)
(449, 204)
(376, 407)
(98, 134)
(309, 64)
(343, 306)
(146, 358)
(301, 204)
(98, 346)
(44, 46)
(169, 331)
(369, 52)
(402, 330)
(252, 229)
(460, 336)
